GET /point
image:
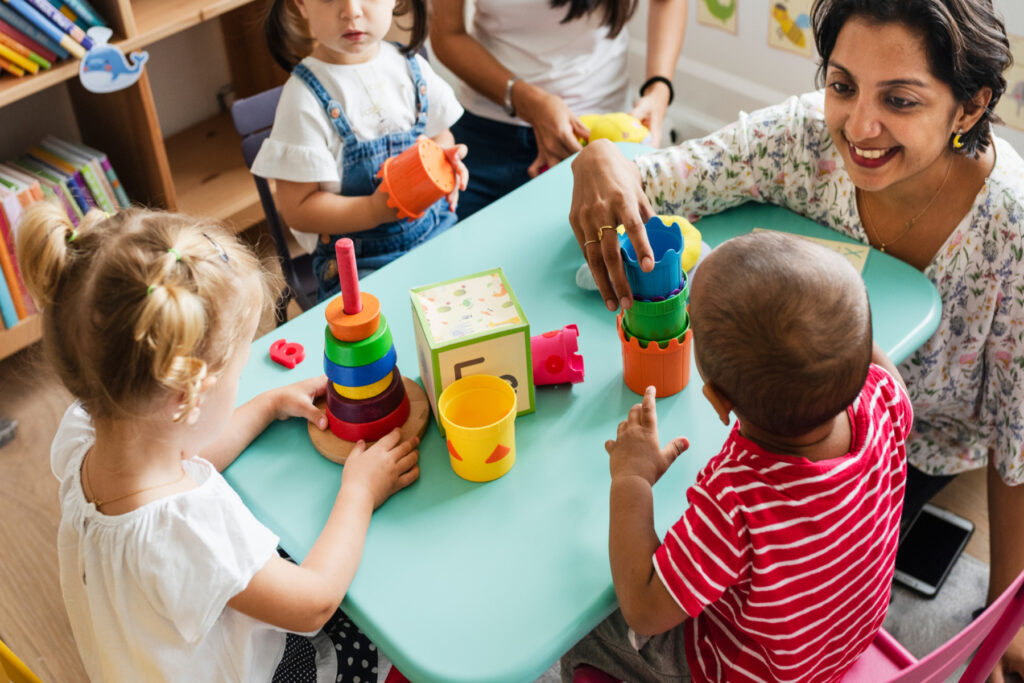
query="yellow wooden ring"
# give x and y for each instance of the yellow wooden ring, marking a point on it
(365, 391)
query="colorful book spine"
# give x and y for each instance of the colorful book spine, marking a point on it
(11, 277)
(56, 186)
(24, 51)
(11, 68)
(15, 34)
(46, 26)
(115, 182)
(76, 176)
(85, 12)
(7, 312)
(29, 29)
(90, 169)
(15, 56)
(62, 22)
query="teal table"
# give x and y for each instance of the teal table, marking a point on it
(494, 582)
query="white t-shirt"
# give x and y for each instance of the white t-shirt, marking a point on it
(576, 61)
(147, 591)
(377, 97)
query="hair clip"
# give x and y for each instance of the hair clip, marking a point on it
(74, 234)
(149, 290)
(176, 253)
(220, 250)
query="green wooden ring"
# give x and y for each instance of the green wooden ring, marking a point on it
(363, 352)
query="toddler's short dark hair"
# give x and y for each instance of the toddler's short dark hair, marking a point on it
(782, 328)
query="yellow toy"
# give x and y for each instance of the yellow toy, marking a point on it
(617, 127)
(691, 239)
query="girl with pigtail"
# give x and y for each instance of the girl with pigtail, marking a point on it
(166, 575)
(353, 101)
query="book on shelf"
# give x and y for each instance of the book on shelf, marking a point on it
(31, 11)
(25, 188)
(49, 178)
(16, 53)
(7, 312)
(11, 68)
(81, 190)
(29, 29)
(13, 281)
(38, 48)
(119, 196)
(90, 168)
(85, 12)
(24, 50)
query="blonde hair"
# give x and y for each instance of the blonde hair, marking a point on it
(138, 304)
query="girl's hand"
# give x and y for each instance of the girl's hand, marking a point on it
(635, 450)
(296, 400)
(650, 111)
(379, 206)
(383, 469)
(455, 154)
(607, 192)
(554, 125)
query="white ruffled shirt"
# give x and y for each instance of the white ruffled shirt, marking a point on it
(377, 98)
(147, 591)
(576, 61)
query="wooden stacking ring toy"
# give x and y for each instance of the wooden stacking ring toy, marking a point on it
(364, 392)
(370, 431)
(358, 375)
(361, 352)
(356, 326)
(367, 410)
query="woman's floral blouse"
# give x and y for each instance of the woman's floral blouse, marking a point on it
(967, 381)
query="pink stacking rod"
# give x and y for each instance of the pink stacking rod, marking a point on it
(345, 253)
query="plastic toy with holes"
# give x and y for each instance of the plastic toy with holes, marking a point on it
(366, 395)
(555, 357)
(416, 178)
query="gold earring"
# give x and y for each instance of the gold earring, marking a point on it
(957, 142)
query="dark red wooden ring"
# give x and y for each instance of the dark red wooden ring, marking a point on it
(370, 431)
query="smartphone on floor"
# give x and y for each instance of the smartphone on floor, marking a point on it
(931, 548)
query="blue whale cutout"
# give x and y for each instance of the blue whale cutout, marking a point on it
(104, 68)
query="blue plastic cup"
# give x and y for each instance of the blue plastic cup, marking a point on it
(666, 277)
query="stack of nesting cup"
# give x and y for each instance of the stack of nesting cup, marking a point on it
(655, 331)
(366, 396)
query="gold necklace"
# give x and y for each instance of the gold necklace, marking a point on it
(98, 503)
(910, 224)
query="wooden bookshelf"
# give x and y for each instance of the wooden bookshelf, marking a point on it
(198, 171)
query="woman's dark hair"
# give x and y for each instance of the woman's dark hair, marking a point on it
(966, 43)
(616, 12)
(288, 36)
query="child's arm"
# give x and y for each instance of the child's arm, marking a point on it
(307, 208)
(637, 462)
(303, 597)
(879, 357)
(455, 154)
(251, 418)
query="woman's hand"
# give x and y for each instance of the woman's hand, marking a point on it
(607, 192)
(455, 154)
(384, 468)
(650, 111)
(296, 400)
(554, 125)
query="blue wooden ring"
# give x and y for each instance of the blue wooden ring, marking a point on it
(361, 352)
(358, 375)
(370, 409)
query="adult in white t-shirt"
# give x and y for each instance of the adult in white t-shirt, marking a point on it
(529, 68)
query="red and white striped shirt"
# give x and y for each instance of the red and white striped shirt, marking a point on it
(784, 565)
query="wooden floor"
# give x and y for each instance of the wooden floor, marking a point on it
(32, 618)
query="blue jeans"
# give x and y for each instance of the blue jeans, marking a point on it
(499, 154)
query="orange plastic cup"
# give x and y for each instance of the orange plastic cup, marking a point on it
(667, 369)
(416, 178)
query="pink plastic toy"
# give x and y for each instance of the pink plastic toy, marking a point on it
(555, 357)
(286, 353)
(348, 276)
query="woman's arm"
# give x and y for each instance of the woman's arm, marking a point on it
(251, 418)
(555, 126)
(302, 598)
(307, 208)
(666, 24)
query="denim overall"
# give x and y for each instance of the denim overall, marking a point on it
(360, 162)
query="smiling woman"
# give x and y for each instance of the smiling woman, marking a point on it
(897, 151)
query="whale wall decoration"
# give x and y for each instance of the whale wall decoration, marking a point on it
(104, 68)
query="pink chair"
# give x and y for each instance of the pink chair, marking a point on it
(886, 661)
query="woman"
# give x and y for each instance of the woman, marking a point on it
(529, 68)
(898, 153)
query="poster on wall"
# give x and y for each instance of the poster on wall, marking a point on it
(789, 27)
(1011, 105)
(719, 14)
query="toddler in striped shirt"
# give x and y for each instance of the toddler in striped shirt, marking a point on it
(779, 568)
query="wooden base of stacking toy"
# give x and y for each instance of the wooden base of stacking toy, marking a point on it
(337, 450)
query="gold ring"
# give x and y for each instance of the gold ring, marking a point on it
(600, 231)
(586, 242)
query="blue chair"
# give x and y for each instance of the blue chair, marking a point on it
(253, 117)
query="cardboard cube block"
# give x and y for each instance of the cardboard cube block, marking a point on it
(472, 325)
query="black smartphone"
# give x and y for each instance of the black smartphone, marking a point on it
(931, 548)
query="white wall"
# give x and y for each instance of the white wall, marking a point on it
(720, 74)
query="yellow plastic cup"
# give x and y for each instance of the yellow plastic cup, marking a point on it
(478, 415)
